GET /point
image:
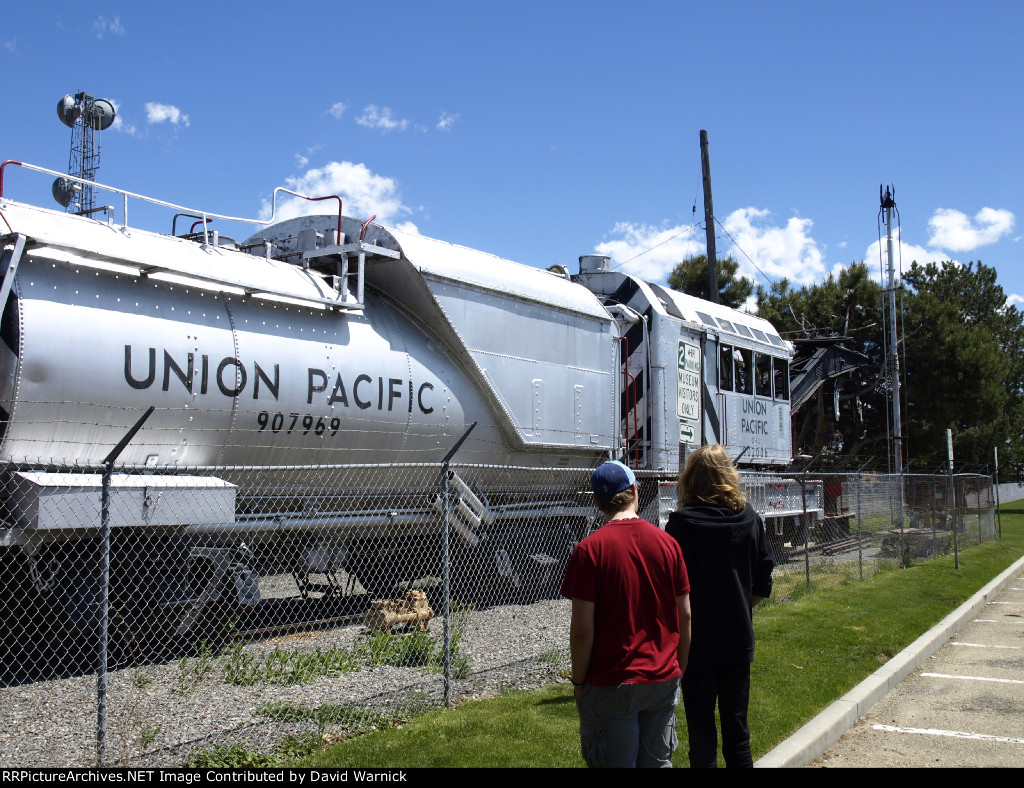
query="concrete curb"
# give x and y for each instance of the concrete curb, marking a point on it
(823, 731)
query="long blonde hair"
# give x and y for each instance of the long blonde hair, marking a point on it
(710, 477)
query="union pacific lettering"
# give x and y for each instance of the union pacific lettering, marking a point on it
(229, 376)
(749, 423)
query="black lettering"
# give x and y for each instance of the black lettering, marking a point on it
(338, 395)
(410, 395)
(312, 389)
(132, 381)
(274, 386)
(204, 383)
(224, 364)
(419, 398)
(170, 365)
(355, 391)
(754, 427)
(380, 394)
(394, 394)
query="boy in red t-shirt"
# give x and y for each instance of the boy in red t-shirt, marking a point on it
(629, 635)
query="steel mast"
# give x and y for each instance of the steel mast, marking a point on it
(893, 360)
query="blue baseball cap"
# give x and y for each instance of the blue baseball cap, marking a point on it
(610, 479)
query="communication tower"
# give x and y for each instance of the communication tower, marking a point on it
(888, 208)
(87, 117)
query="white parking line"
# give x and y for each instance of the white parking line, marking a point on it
(981, 645)
(971, 678)
(953, 734)
(993, 621)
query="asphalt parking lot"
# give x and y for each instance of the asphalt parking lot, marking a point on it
(954, 698)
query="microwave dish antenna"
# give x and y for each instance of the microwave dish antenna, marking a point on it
(86, 116)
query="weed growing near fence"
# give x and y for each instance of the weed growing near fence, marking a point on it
(231, 756)
(147, 735)
(289, 667)
(553, 659)
(192, 673)
(352, 720)
(419, 648)
(302, 745)
(286, 667)
(413, 650)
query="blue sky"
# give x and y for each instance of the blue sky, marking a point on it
(540, 131)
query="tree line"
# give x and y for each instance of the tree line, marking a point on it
(961, 348)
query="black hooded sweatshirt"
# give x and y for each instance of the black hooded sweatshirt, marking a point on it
(729, 561)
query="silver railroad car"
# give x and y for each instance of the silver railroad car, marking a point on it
(326, 340)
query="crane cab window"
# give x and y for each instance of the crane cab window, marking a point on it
(781, 378)
(744, 370)
(725, 368)
(762, 375)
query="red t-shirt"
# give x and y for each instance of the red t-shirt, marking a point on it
(633, 572)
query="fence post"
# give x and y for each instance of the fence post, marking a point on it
(952, 499)
(980, 538)
(860, 530)
(860, 533)
(446, 563)
(807, 534)
(803, 518)
(999, 514)
(101, 671)
(904, 545)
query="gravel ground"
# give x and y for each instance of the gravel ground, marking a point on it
(158, 714)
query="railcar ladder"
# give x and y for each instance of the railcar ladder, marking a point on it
(10, 265)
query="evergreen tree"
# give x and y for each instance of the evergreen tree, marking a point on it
(691, 277)
(961, 356)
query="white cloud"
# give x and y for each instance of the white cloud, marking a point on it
(338, 109)
(651, 252)
(101, 26)
(9, 45)
(446, 121)
(300, 160)
(375, 117)
(787, 251)
(954, 230)
(648, 251)
(119, 123)
(158, 113)
(364, 194)
(904, 255)
(1015, 300)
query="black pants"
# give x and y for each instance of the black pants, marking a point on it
(729, 685)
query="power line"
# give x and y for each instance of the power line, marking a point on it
(736, 244)
(652, 248)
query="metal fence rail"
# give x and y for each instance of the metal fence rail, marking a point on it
(241, 600)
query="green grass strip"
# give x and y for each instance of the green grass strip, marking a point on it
(809, 652)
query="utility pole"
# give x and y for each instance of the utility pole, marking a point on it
(893, 361)
(709, 219)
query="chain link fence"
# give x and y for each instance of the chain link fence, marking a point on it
(857, 524)
(274, 610)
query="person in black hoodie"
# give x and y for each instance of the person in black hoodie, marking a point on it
(729, 562)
